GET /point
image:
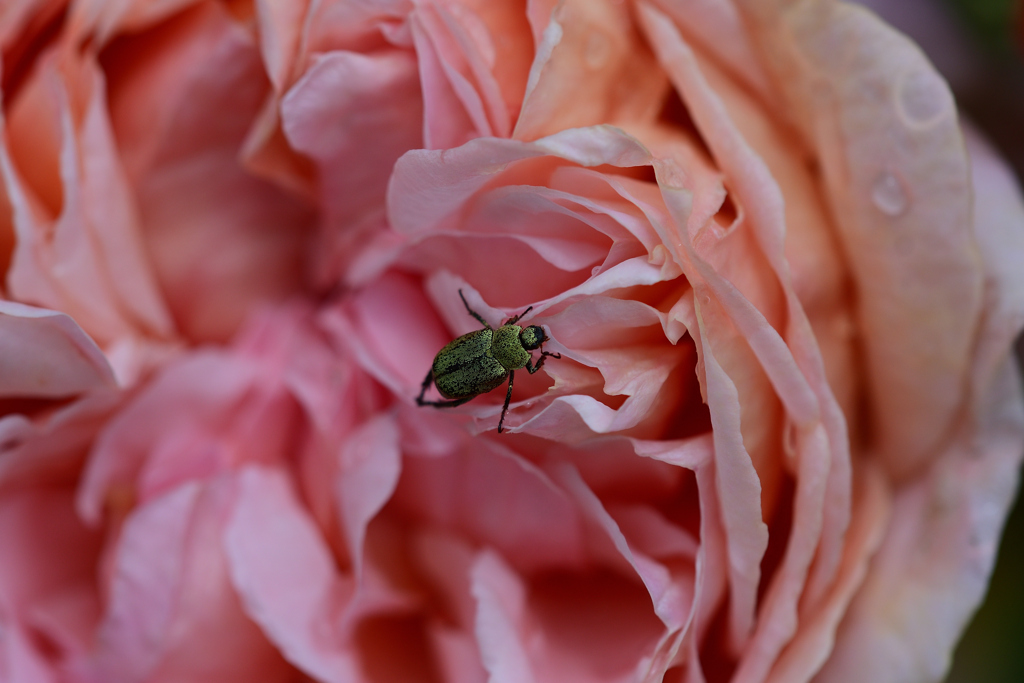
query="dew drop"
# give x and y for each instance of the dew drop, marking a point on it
(888, 195)
(598, 50)
(923, 98)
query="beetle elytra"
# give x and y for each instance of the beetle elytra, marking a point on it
(479, 361)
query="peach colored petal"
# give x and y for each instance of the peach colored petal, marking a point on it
(899, 187)
(280, 25)
(740, 491)
(90, 261)
(44, 354)
(717, 28)
(934, 563)
(222, 242)
(797, 373)
(105, 19)
(592, 67)
(814, 642)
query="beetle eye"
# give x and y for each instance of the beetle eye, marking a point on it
(532, 337)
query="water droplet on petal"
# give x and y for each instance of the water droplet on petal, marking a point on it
(888, 195)
(923, 98)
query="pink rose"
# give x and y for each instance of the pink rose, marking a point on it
(779, 443)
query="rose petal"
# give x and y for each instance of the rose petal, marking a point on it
(592, 67)
(488, 493)
(55, 550)
(899, 185)
(20, 661)
(182, 101)
(370, 464)
(90, 261)
(500, 631)
(285, 576)
(172, 614)
(201, 416)
(934, 564)
(44, 354)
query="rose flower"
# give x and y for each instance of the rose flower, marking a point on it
(777, 439)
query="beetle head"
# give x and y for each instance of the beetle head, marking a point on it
(532, 337)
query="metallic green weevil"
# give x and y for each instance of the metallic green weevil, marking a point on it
(479, 361)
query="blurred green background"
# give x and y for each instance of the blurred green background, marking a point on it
(978, 45)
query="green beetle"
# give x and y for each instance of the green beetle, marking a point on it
(479, 361)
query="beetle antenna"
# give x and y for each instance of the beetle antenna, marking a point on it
(513, 321)
(473, 313)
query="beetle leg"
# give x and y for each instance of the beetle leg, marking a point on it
(446, 404)
(472, 312)
(543, 354)
(438, 404)
(508, 397)
(424, 387)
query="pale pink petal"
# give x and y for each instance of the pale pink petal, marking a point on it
(373, 326)
(44, 354)
(621, 340)
(144, 584)
(172, 615)
(454, 111)
(355, 115)
(20, 660)
(500, 631)
(21, 20)
(370, 464)
(285, 576)
(492, 496)
(672, 601)
(458, 655)
(415, 202)
(199, 417)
